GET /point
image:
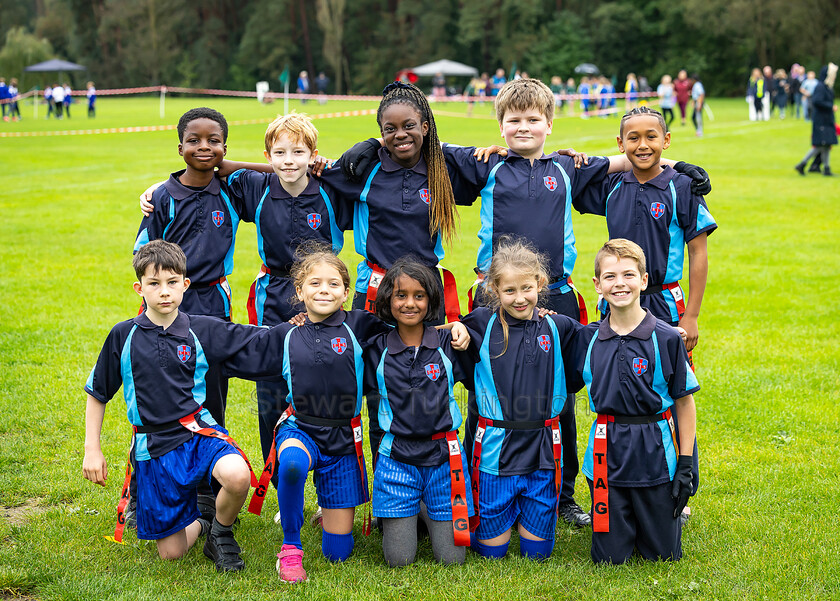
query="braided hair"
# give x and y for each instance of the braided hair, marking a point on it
(442, 213)
(642, 110)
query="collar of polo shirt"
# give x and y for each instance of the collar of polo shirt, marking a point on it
(179, 191)
(180, 327)
(642, 331)
(431, 340)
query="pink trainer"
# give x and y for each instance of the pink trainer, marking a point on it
(290, 565)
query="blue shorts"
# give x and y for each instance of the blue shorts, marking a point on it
(399, 487)
(337, 478)
(530, 498)
(166, 485)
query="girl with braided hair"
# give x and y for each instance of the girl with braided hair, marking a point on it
(401, 194)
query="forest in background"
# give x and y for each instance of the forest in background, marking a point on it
(360, 44)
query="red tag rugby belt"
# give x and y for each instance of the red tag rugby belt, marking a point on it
(556, 447)
(258, 498)
(458, 489)
(600, 484)
(190, 424)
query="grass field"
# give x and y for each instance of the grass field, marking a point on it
(765, 521)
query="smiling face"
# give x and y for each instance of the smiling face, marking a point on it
(643, 141)
(620, 282)
(290, 159)
(518, 293)
(409, 301)
(163, 291)
(403, 131)
(203, 146)
(525, 131)
(322, 292)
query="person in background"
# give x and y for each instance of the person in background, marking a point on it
(667, 100)
(303, 85)
(91, 98)
(823, 132)
(807, 89)
(68, 99)
(698, 97)
(682, 87)
(782, 86)
(321, 83)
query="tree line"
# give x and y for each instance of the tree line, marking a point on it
(360, 44)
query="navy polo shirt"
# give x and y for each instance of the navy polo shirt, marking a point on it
(162, 372)
(639, 374)
(390, 214)
(202, 222)
(322, 364)
(531, 201)
(525, 383)
(661, 216)
(284, 221)
(412, 394)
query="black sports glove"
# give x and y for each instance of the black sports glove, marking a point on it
(700, 183)
(356, 161)
(683, 487)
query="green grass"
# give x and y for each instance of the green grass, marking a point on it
(764, 523)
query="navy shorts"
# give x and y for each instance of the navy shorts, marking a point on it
(337, 478)
(166, 485)
(399, 487)
(641, 519)
(529, 498)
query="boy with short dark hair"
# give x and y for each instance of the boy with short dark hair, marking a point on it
(639, 478)
(160, 358)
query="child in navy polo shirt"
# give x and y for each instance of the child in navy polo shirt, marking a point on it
(401, 195)
(638, 378)
(520, 389)
(410, 373)
(160, 358)
(527, 193)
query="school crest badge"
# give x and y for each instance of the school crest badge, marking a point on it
(184, 353)
(640, 365)
(550, 182)
(657, 209)
(339, 345)
(424, 195)
(218, 218)
(544, 342)
(433, 371)
(314, 220)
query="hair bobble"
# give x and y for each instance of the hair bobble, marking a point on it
(395, 85)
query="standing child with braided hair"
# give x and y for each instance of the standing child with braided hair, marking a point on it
(403, 201)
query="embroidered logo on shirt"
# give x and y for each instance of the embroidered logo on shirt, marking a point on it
(544, 342)
(657, 209)
(424, 195)
(184, 353)
(339, 345)
(433, 371)
(218, 218)
(639, 365)
(550, 182)
(314, 220)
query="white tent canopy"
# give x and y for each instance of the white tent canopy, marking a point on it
(445, 67)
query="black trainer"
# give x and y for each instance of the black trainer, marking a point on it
(130, 514)
(572, 514)
(224, 551)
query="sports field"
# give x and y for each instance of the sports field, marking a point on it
(765, 521)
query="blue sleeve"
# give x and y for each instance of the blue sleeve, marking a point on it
(460, 360)
(366, 326)
(153, 226)
(593, 198)
(246, 191)
(105, 378)
(567, 331)
(468, 175)
(257, 353)
(693, 214)
(476, 323)
(345, 193)
(342, 205)
(675, 367)
(587, 175)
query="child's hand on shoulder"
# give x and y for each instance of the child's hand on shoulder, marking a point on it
(542, 312)
(484, 153)
(299, 319)
(94, 466)
(460, 337)
(580, 158)
(146, 199)
(318, 165)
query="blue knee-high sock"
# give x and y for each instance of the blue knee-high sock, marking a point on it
(535, 549)
(336, 547)
(292, 467)
(494, 551)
